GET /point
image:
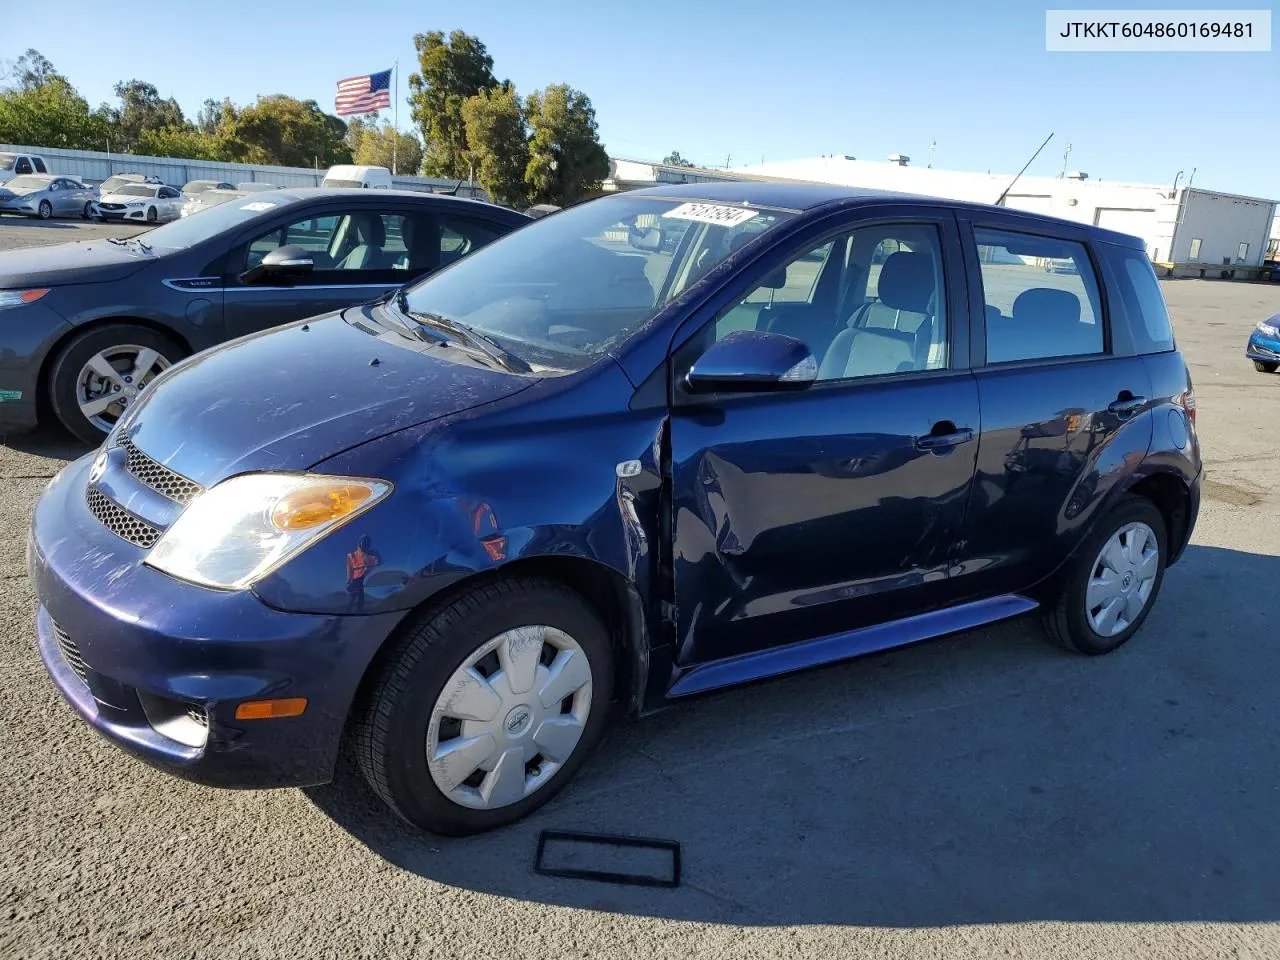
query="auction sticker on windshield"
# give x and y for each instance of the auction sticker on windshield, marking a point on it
(258, 205)
(719, 214)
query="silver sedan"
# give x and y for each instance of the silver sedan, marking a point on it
(46, 195)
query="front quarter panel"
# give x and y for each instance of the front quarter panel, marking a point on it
(535, 475)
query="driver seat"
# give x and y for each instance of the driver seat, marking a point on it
(367, 253)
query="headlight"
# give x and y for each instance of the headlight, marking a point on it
(15, 298)
(1269, 330)
(246, 526)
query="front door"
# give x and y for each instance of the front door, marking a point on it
(803, 514)
(1061, 401)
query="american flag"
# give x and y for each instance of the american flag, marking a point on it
(364, 94)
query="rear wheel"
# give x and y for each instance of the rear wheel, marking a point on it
(99, 373)
(46, 209)
(1112, 582)
(1265, 366)
(487, 706)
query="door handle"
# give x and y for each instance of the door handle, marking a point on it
(943, 441)
(1126, 404)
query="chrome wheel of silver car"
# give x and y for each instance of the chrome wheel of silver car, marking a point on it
(1122, 579)
(509, 717)
(112, 378)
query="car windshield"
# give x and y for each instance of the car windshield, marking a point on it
(198, 186)
(28, 183)
(111, 184)
(342, 183)
(188, 231)
(135, 190)
(7, 160)
(563, 290)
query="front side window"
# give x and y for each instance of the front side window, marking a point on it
(1041, 297)
(314, 234)
(873, 303)
(23, 165)
(564, 290)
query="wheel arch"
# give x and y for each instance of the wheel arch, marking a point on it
(609, 593)
(1170, 494)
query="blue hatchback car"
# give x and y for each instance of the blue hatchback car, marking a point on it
(1264, 345)
(651, 446)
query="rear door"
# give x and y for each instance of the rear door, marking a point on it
(803, 514)
(1062, 398)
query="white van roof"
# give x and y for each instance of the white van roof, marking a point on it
(350, 171)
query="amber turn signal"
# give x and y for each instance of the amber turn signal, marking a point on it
(270, 709)
(318, 503)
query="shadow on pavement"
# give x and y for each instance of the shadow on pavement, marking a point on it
(50, 441)
(984, 778)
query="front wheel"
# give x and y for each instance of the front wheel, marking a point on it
(487, 707)
(87, 212)
(1265, 366)
(46, 209)
(151, 215)
(1112, 581)
(99, 373)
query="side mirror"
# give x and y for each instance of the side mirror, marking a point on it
(287, 261)
(749, 360)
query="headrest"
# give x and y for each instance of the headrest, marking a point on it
(907, 281)
(1046, 305)
(369, 230)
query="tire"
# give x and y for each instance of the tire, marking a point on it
(1067, 621)
(151, 215)
(64, 373)
(45, 210)
(1265, 366)
(398, 716)
(87, 212)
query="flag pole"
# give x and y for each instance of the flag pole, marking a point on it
(395, 138)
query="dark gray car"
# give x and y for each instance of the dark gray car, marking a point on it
(85, 326)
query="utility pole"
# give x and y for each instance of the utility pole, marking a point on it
(395, 136)
(933, 145)
(1065, 154)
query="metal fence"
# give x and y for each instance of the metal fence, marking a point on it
(95, 166)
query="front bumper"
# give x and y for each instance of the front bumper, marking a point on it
(138, 648)
(1263, 348)
(139, 213)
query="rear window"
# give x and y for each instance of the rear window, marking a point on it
(1143, 301)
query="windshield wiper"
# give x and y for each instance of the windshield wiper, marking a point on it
(142, 243)
(473, 338)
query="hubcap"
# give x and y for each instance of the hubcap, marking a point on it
(509, 717)
(1122, 579)
(112, 378)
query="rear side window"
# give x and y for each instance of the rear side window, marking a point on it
(40, 168)
(1143, 301)
(1041, 297)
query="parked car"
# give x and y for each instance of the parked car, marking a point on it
(43, 195)
(253, 186)
(145, 202)
(193, 188)
(348, 175)
(20, 165)
(117, 180)
(564, 473)
(1264, 345)
(92, 323)
(207, 199)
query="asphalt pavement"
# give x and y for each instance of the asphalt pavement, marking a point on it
(985, 795)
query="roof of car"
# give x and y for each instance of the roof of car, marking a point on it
(801, 196)
(298, 194)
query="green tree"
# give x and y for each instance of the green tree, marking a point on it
(673, 159)
(449, 73)
(142, 109)
(384, 146)
(498, 141)
(282, 130)
(566, 160)
(212, 113)
(51, 114)
(33, 70)
(188, 143)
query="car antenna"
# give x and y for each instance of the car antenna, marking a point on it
(1000, 200)
(454, 191)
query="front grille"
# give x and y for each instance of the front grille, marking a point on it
(111, 206)
(71, 654)
(198, 715)
(157, 476)
(120, 521)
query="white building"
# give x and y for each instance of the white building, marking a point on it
(1189, 231)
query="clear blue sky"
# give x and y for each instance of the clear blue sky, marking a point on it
(774, 79)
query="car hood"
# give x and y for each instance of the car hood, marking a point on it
(86, 261)
(293, 396)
